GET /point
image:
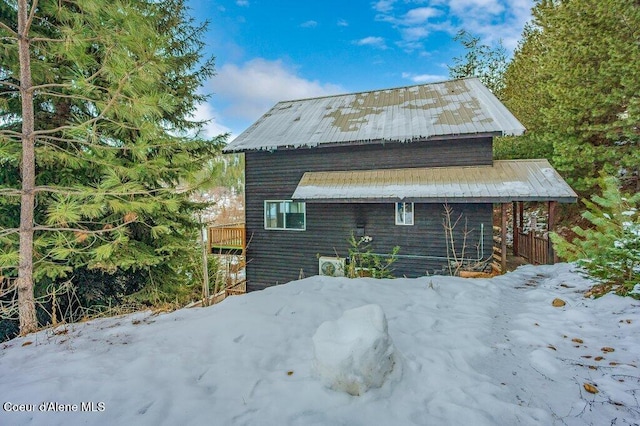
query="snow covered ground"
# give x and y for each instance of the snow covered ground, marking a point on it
(472, 352)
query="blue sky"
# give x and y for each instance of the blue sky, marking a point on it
(272, 50)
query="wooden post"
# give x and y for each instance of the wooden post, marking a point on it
(551, 223)
(515, 227)
(205, 264)
(520, 218)
(503, 237)
(521, 214)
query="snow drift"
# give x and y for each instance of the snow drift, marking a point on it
(474, 352)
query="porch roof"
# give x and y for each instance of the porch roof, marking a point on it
(504, 181)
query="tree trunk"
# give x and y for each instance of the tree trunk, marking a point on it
(26, 303)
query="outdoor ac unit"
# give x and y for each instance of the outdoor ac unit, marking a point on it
(331, 266)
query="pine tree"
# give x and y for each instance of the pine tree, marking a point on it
(490, 65)
(95, 111)
(482, 61)
(524, 80)
(574, 82)
(523, 95)
(610, 250)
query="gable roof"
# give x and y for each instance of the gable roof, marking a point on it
(405, 114)
(504, 181)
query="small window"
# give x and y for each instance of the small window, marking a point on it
(285, 215)
(404, 213)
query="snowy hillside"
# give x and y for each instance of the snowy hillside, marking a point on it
(470, 352)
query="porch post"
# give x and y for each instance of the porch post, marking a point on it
(521, 214)
(516, 223)
(503, 237)
(551, 222)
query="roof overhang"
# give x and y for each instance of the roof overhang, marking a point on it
(418, 139)
(504, 181)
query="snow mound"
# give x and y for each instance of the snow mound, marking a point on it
(355, 352)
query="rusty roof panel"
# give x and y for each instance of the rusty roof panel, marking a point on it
(457, 107)
(504, 181)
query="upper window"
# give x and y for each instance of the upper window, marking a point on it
(285, 215)
(404, 213)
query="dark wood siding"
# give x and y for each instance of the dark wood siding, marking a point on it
(277, 256)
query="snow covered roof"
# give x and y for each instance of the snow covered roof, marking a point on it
(428, 111)
(505, 181)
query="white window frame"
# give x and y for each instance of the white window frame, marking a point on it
(403, 220)
(284, 221)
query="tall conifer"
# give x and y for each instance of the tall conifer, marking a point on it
(95, 114)
(575, 83)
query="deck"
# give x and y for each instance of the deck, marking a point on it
(228, 242)
(227, 239)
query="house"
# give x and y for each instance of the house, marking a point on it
(381, 164)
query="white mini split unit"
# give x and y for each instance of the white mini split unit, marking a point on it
(331, 266)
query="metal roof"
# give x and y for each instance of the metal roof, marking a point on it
(505, 181)
(450, 108)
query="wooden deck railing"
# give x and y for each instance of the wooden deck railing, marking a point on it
(227, 237)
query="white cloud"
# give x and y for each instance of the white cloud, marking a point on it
(424, 78)
(471, 7)
(251, 89)
(205, 112)
(412, 46)
(384, 6)
(414, 26)
(377, 42)
(416, 16)
(309, 24)
(414, 33)
(492, 20)
(242, 3)
(420, 15)
(342, 23)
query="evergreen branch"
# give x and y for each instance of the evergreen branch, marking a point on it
(64, 95)
(8, 29)
(100, 116)
(79, 156)
(83, 142)
(47, 40)
(32, 14)
(15, 134)
(121, 124)
(67, 127)
(118, 92)
(93, 191)
(6, 83)
(51, 85)
(71, 153)
(85, 231)
(8, 231)
(99, 71)
(39, 88)
(59, 40)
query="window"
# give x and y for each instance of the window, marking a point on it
(404, 213)
(285, 215)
